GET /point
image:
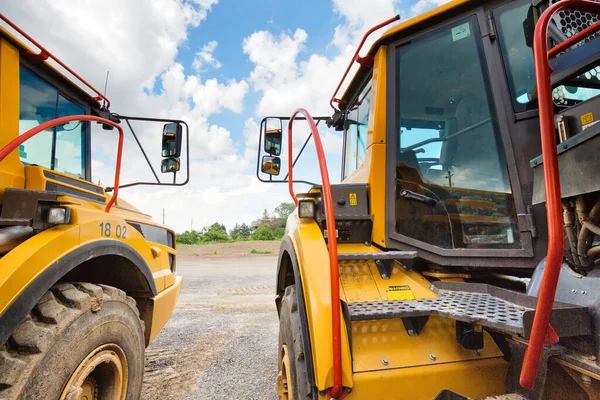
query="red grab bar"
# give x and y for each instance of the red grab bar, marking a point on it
(6, 150)
(337, 388)
(45, 54)
(554, 257)
(360, 60)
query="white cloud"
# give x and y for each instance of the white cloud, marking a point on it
(206, 56)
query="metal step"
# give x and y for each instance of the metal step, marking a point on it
(383, 255)
(498, 309)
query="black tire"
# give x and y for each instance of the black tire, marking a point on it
(69, 323)
(290, 335)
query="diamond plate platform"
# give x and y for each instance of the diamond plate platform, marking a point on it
(498, 309)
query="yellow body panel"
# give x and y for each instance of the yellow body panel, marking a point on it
(11, 168)
(313, 265)
(471, 378)
(164, 305)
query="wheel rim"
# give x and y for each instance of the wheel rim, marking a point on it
(101, 375)
(284, 378)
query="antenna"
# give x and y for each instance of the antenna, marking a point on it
(105, 86)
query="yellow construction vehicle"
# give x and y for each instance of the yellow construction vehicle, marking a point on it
(86, 279)
(437, 268)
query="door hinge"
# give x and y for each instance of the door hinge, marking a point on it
(527, 223)
(491, 27)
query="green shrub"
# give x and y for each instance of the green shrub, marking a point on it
(188, 237)
(263, 233)
(254, 251)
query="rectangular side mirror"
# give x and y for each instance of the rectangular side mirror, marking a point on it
(171, 140)
(169, 165)
(273, 136)
(271, 165)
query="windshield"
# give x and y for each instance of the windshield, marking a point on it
(512, 22)
(61, 148)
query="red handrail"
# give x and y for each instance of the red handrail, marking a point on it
(554, 256)
(6, 150)
(356, 58)
(45, 54)
(337, 388)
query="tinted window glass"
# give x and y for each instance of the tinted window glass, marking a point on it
(357, 124)
(511, 21)
(60, 148)
(449, 149)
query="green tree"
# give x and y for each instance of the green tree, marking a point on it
(188, 237)
(264, 232)
(215, 233)
(282, 212)
(241, 231)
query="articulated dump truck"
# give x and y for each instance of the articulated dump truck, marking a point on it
(458, 257)
(86, 279)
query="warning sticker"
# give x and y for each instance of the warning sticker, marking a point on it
(400, 293)
(586, 120)
(460, 32)
(353, 199)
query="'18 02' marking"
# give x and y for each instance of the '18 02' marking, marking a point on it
(106, 230)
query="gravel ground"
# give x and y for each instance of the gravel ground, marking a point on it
(221, 342)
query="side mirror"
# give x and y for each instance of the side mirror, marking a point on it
(171, 140)
(271, 165)
(169, 165)
(273, 137)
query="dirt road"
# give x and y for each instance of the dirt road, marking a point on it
(221, 342)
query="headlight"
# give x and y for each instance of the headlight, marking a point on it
(306, 209)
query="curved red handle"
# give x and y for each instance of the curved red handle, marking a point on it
(356, 58)
(332, 241)
(555, 252)
(15, 143)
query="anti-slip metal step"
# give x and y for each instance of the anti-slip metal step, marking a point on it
(383, 255)
(498, 309)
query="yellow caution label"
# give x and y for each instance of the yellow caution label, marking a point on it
(587, 118)
(353, 199)
(477, 328)
(400, 293)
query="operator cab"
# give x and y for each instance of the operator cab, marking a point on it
(462, 129)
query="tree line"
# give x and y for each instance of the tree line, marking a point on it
(267, 227)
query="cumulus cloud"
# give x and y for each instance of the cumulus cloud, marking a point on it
(206, 56)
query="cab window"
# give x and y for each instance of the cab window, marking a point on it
(356, 126)
(452, 185)
(61, 148)
(512, 22)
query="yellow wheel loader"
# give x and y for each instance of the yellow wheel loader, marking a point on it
(458, 257)
(86, 279)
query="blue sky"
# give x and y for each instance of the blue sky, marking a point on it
(260, 57)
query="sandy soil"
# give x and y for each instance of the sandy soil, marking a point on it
(229, 250)
(221, 342)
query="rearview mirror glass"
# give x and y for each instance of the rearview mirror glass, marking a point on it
(273, 136)
(271, 165)
(169, 165)
(171, 140)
